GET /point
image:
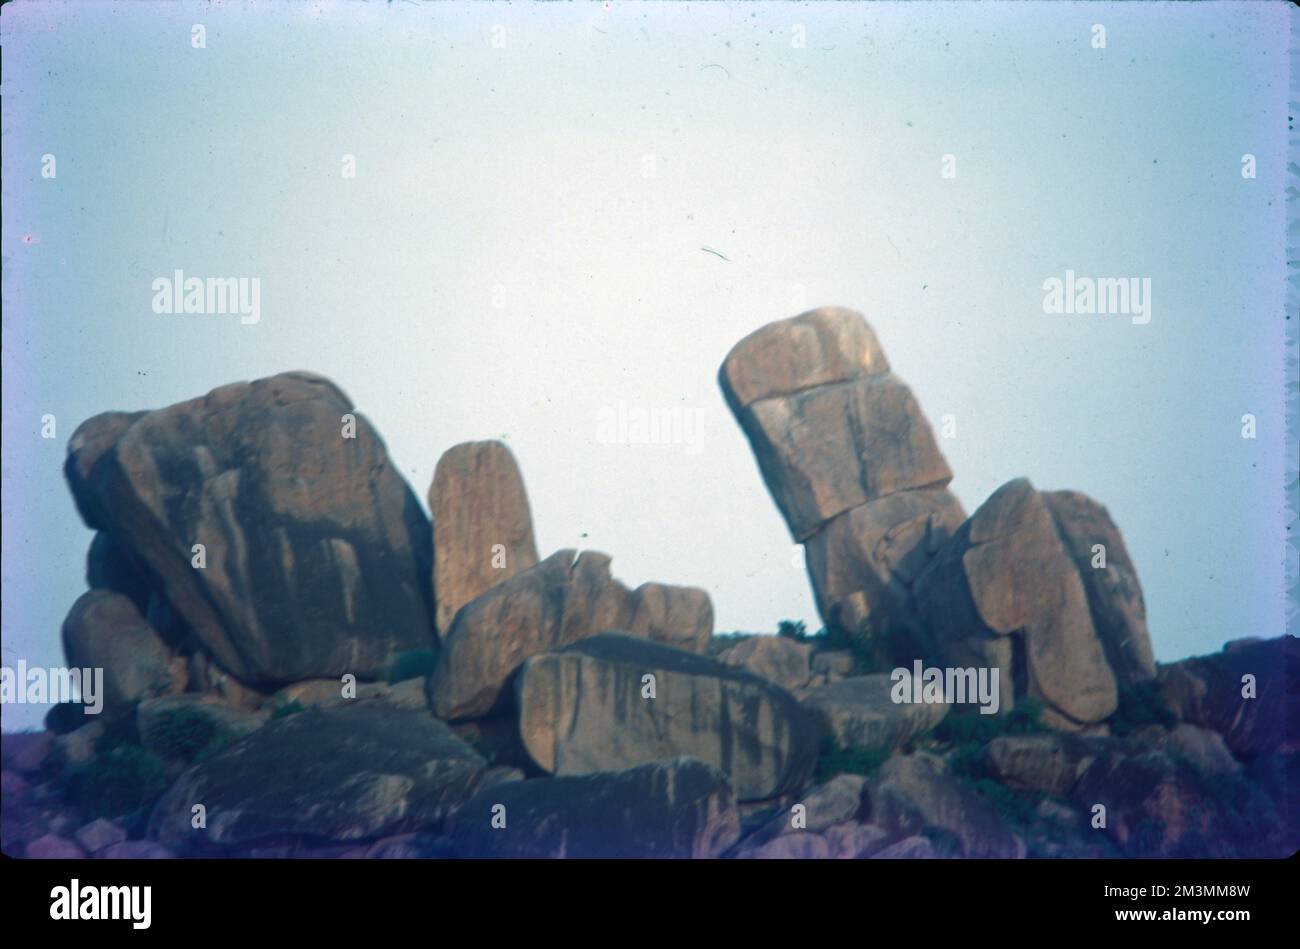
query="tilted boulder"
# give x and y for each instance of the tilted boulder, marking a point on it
(104, 631)
(1114, 593)
(483, 527)
(1004, 593)
(850, 460)
(350, 773)
(678, 808)
(587, 708)
(565, 598)
(317, 554)
(824, 451)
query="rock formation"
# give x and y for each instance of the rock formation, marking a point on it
(483, 528)
(850, 460)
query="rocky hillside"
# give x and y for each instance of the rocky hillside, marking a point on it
(297, 663)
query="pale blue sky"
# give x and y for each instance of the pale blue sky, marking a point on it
(518, 175)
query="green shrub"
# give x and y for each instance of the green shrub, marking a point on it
(833, 760)
(973, 728)
(292, 707)
(412, 665)
(184, 734)
(125, 779)
(792, 629)
(1140, 704)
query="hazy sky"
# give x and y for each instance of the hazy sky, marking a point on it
(522, 248)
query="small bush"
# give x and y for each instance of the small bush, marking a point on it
(1140, 704)
(412, 665)
(183, 734)
(125, 779)
(834, 760)
(974, 728)
(288, 708)
(792, 629)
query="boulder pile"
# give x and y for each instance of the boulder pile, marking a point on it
(297, 661)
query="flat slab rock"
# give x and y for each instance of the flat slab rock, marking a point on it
(675, 808)
(339, 774)
(861, 714)
(585, 709)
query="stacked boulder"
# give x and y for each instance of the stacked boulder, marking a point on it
(850, 460)
(1040, 586)
(1036, 585)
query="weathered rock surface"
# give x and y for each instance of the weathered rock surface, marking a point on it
(672, 615)
(1160, 806)
(917, 791)
(350, 773)
(1114, 593)
(864, 562)
(584, 709)
(1005, 587)
(104, 630)
(1210, 691)
(675, 808)
(778, 659)
(838, 803)
(317, 553)
(827, 450)
(1049, 763)
(813, 349)
(565, 598)
(860, 713)
(483, 527)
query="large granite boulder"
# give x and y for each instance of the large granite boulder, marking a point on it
(104, 631)
(590, 708)
(677, 808)
(565, 598)
(483, 527)
(1005, 593)
(360, 771)
(317, 556)
(1114, 593)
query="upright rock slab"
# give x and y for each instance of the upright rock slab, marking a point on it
(679, 808)
(565, 598)
(483, 528)
(1110, 581)
(589, 708)
(317, 556)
